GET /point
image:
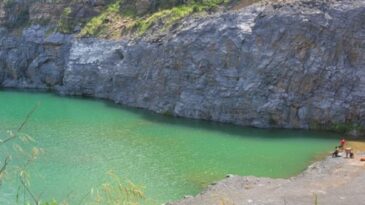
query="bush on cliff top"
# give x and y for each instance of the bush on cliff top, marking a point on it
(121, 16)
(104, 18)
(65, 24)
(168, 17)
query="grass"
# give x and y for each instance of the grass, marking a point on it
(118, 192)
(65, 23)
(99, 25)
(315, 199)
(121, 17)
(112, 22)
(169, 17)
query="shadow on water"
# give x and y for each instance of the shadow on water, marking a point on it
(230, 129)
(226, 128)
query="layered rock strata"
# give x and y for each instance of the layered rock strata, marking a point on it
(299, 64)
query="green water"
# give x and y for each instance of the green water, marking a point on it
(83, 139)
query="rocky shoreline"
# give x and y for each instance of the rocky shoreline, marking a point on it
(298, 64)
(332, 181)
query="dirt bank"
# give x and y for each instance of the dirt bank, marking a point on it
(332, 181)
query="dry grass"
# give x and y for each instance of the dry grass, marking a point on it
(357, 146)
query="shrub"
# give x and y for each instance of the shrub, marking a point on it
(65, 24)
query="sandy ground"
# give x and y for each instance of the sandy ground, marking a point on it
(332, 181)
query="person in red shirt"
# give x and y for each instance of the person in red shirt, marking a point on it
(342, 143)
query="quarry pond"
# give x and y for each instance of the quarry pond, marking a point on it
(84, 139)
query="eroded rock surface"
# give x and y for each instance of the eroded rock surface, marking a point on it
(298, 64)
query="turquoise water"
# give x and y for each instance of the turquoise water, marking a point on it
(83, 139)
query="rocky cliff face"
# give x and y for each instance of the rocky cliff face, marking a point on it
(297, 64)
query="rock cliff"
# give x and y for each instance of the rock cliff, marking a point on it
(293, 64)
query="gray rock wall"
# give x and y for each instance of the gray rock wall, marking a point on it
(293, 65)
(34, 59)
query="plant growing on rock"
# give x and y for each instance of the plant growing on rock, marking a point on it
(18, 139)
(65, 24)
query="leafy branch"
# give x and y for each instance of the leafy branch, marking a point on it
(26, 119)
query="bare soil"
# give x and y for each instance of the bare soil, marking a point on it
(332, 181)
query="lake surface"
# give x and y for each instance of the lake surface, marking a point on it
(84, 139)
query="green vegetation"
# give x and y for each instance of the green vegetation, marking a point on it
(104, 24)
(65, 24)
(119, 18)
(346, 127)
(113, 19)
(20, 153)
(119, 191)
(315, 198)
(170, 16)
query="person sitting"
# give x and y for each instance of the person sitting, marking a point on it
(335, 153)
(348, 152)
(351, 155)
